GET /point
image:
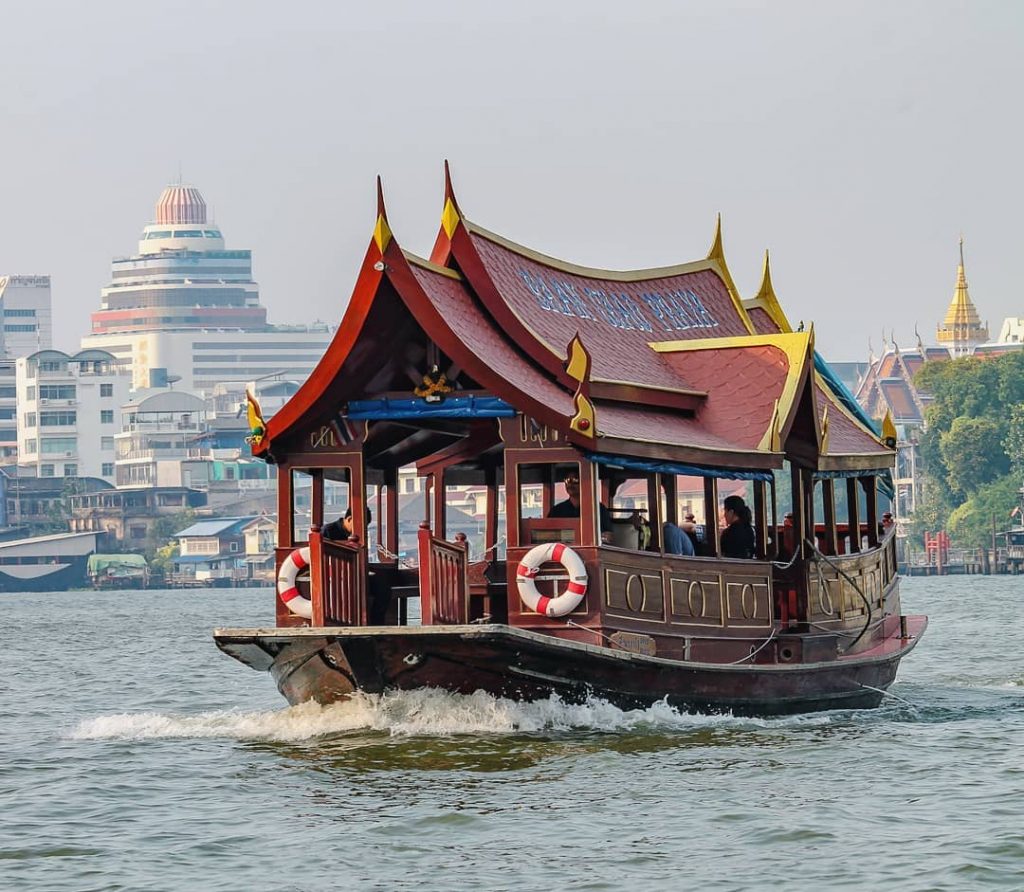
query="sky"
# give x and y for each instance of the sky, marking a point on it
(855, 141)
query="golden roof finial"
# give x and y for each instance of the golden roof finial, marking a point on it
(962, 326)
(766, 295)
(717, 251)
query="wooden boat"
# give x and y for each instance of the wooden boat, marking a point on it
(492, 366)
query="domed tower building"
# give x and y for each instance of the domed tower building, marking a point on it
(961, 331)
(182, 276)
(184, 309)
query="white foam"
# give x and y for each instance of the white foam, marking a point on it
(428, 713)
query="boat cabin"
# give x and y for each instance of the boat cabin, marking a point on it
(656, 393)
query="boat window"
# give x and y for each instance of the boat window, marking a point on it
(336, 493)
(543, 493)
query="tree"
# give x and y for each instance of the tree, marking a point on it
(972, 451)
(970, 524)
(1013, 443)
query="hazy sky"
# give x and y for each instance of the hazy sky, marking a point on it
(856, 141)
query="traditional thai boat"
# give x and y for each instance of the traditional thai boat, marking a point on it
(492, 366)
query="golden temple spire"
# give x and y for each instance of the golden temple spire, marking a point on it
(962, 329)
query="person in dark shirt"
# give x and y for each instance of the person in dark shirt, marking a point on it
(570, 507)
(341, 530)
(737, 540)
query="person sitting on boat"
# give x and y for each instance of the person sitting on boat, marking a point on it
(341, 530)
(677, 538)
(737, 540)
(570, 507)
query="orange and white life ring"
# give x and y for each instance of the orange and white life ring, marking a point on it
(564, 603)
(292, 566)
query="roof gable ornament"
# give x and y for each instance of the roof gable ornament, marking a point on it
(257, 426)
(577, 367)
(381, 230)
(774, 439)
(451, 216)
(824, 430)
(768, 299)
(717, 255)
(888, 430)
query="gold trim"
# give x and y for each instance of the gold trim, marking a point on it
(416, 260)
(638, 275)
(767, 300)
(797, 346)
(716, 255)
(449, 218)
(381, 233)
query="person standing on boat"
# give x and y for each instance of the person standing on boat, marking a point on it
(737, 540)
(570, 507)
(341, 530)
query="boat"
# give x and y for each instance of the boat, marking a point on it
(492, 366)
(50, 563)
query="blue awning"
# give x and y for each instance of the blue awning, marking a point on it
(415, 407)
(649, 466)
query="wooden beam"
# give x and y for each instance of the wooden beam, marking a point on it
(853, 503)
(760, 520)
(828, 500)
(871, 491)
(711, 532)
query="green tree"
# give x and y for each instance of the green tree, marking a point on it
(1013, 443)
(972, 452)
(971, 523)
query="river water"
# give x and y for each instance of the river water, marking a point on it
(137, 756)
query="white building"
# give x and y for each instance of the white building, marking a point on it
(200, 360)
(26, 314)
(185, 310)
(68, 412)
(157, 434)
(8, 412)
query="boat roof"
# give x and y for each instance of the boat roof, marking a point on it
(670, 363)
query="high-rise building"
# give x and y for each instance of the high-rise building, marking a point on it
(185, 311)
(26, 315)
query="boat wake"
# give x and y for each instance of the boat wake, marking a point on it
(420, 713)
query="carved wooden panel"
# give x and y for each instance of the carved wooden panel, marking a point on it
(696, 599)
(748, 602)
(629, 592)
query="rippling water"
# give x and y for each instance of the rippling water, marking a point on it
(137, 756)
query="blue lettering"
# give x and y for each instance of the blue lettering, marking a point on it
(656, 304)
(571, 300)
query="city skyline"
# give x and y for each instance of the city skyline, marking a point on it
(857, 146)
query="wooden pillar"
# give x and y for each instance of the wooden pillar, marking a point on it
(440, 506)
(316, 505)
(853, 502)
(547, 495)
(512, 502)
(654, 511)
(491, 513)
(760, 521)
(285, 533)
(870, 485)
(711, 532)
(316, 577)
(798, 478)
(776, 531)
(426, 593)
(591, 493)
(391, 478)
(828, 500)
(671, 485)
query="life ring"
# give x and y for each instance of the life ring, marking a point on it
(564, 603)
(292, 566)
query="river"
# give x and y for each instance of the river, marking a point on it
(137, 756)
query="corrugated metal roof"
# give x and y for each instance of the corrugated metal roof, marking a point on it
(214, 527)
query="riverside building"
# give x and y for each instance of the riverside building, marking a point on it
(26, 317)
(69, 409)
(185, 310)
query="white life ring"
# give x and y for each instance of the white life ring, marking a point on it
(564, 603)
(293, 565)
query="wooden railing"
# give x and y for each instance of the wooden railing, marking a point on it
(444, 579)
(337, 573)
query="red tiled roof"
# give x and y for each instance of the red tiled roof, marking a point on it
(899, 399)
(616, 318)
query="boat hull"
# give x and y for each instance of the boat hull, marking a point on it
(328, 665)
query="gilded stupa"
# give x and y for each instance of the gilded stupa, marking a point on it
(962, 330)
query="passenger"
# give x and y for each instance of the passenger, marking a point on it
(737, 539)
(341, 530)
(693, 532)
(570, 507)
(677, 539)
